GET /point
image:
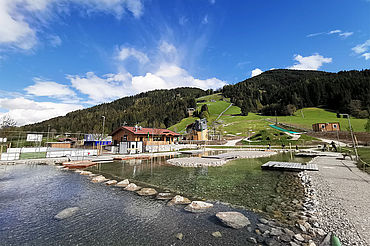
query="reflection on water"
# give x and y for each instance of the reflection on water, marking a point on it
(239, 182)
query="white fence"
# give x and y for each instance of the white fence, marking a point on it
(15, 153)
(169, 147)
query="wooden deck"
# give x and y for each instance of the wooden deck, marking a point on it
(289, 166)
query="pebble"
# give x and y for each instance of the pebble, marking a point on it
(179, 236)
(216, 234)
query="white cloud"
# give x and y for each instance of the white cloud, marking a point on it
(335, 31)
(346, 34)
(205, 20)
(125, 53)
(166, 47)
(113, 86)
(314, 34)
(16, 16)
(313, 62)
(55, 40)
(110, 87)
(361, 48)
(25, 111)
(256, 72)
(51, 89)
(366, 55)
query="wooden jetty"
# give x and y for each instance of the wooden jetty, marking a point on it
(79, 164)
(289, 166)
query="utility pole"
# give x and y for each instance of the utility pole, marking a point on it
(353, 139)
(47, 138)
(102, 134)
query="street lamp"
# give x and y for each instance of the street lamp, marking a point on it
(353, 139)
(102, 134)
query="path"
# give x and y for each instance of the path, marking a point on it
(232, 142)
(344, 199)
(332, 140)
(231, 104)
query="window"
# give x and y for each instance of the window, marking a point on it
(334, 126)
(322, 126)
(141, 139)
(168, 139)
(125, 138)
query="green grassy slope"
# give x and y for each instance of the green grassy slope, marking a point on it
(231, 122)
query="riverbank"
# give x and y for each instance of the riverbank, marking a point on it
(342, 192)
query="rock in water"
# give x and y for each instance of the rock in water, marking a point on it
(234, 220)
(147, 192)
(179, 236)
(99, 179)
(178, 200)
(111, 182)
(68, 212)
(85, 173)
(132, 187)
(123, 183)
(164, 196)
(198, 206)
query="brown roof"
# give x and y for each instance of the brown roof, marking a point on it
(145, 131)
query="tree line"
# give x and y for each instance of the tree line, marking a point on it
(158, 108)
(283, 91)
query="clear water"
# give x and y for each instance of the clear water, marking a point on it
(240, 182)
(30, 197)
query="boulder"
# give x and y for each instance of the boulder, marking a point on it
(85, 173)
(98, 179)
(147, 192)
(198, 206)
(132, 187)
(234, 220)
(111, 182)
(123, 183)
(164, 196)
(178, 200)
(299, 237)
(68, 212)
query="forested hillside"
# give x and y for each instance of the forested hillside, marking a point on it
(159, 108)
(283, 91)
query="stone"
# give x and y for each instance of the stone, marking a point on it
(320, 231)
(179, 236)
(99, 179)
(68, 212)
(252, 240)
(111, 182)
(216, 234)
(258, 232)
(276, 232)
(327, 240)
(311, 243)
(132, 187)
(285, 238)
(85, 173)
(271, 242)
(299, 237)
(123, 183)
(164, 196)
(293, 244)
(179, 200)
(198, 206)
(234, 220)
(288, 232)
(262, 227)
(263, 221)
(147, 192)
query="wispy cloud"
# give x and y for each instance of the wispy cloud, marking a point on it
(366, 55)
(340, 33)
(312, 62)
(18, 18)
(361, 48)
(124, 53)
(256, 72)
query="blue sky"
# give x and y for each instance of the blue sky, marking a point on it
(61, 55)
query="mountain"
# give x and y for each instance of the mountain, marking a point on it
(282, 91)
(158, 108)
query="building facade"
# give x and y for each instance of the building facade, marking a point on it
(326, 127)
(197, 130)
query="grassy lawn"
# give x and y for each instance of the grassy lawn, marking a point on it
(231, 122)
(318, 115)
(364, 154)
(36, 155)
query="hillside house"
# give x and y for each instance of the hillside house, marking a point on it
(197, 130)
(326, 127)
(138, 139)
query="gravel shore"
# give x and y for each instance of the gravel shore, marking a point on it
(342, 192)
